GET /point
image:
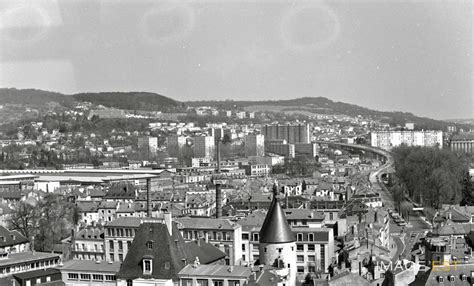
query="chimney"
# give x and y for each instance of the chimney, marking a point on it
(148, 203)
(168, 222)
(206, 237)
(218, 183)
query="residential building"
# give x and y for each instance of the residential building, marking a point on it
(48, 276)
(257, 170)
(254, 145)
(175, 145)
(292, 133)
(222, 233)
(13, 241)
(306, 149)
(88, 244)
(158, 253)
(388, 139)
(197, 274)
(204, 146)
(148, 145)
(14, 263)
(280, 148)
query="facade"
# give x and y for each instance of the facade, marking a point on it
(283, 149)
(222, 233)
(388, 139)
(254, 145)
(38, 277)
(204, 146)
(463, 143)
(175, 144)
(13, 241)
(118, 237)
(88, 244)
(306, 149)
(148, 145)
(267, 160)
(292, 133)
(257, 170)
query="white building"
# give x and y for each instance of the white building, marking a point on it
(389, 139)
(204, 146)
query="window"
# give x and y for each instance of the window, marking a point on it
(234, 283)
(218, 282)
(129, 282)
(112, 257)
(311, 269)
(129, 243)
(147, 266)
(120, 245)
(97, 277)
(186, 282)
(464, 277)
(299, 247)
(451, 278)
(120, 257)
(331, 216)
(245, 236)
(311, 258)
(300, 258)
(300, 269)
(310, 237)
(110, 278)
(441, 279)
(202, 282)
(255, 237)
(243, 247)
(311, 247)
(70, 276)
(111, 245)
(85, 277)
(299, 237)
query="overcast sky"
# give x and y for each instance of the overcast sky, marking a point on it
(411, 56)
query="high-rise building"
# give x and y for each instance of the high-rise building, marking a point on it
(254, 145)
(292, 133)
(389, 139)
(204, 146)
(217, 133)
(148, 145)
(280, 148)
(175, 144)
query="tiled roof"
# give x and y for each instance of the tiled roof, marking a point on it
(216, 271)
(8, 237)
(169, 253)
(27, 257)
(206, 223)
(90, 233)
(90, 265)
(87, 206)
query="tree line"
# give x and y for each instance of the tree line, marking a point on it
(431, 176)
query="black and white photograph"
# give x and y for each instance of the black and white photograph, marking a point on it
(236, 143)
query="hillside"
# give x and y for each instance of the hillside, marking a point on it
(322, 105)
(130, 100)
(121, 100)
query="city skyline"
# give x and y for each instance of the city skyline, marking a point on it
(244, 51)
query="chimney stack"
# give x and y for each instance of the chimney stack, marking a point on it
(218, 182)
(168, 222)
(148, 202)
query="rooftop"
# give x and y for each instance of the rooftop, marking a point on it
(90, 265)
(216, 271)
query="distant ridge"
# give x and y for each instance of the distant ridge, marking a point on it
(122, 100)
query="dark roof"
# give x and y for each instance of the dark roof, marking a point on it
(169, 253)
(36, 273)
(8, 237)
(275, 228)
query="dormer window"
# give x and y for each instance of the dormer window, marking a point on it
(149, 244)
(464, 277)
(451, 278)
(440, 279)
(147, 266)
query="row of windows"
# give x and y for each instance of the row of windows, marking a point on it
(28, 266)
(209, 282)
(123, 232)
(84, 247)
(88, 256)
(120, 245)
(212, 235)
(88, 277)
(299, 247)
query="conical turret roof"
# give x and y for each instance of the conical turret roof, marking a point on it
(275, 228)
